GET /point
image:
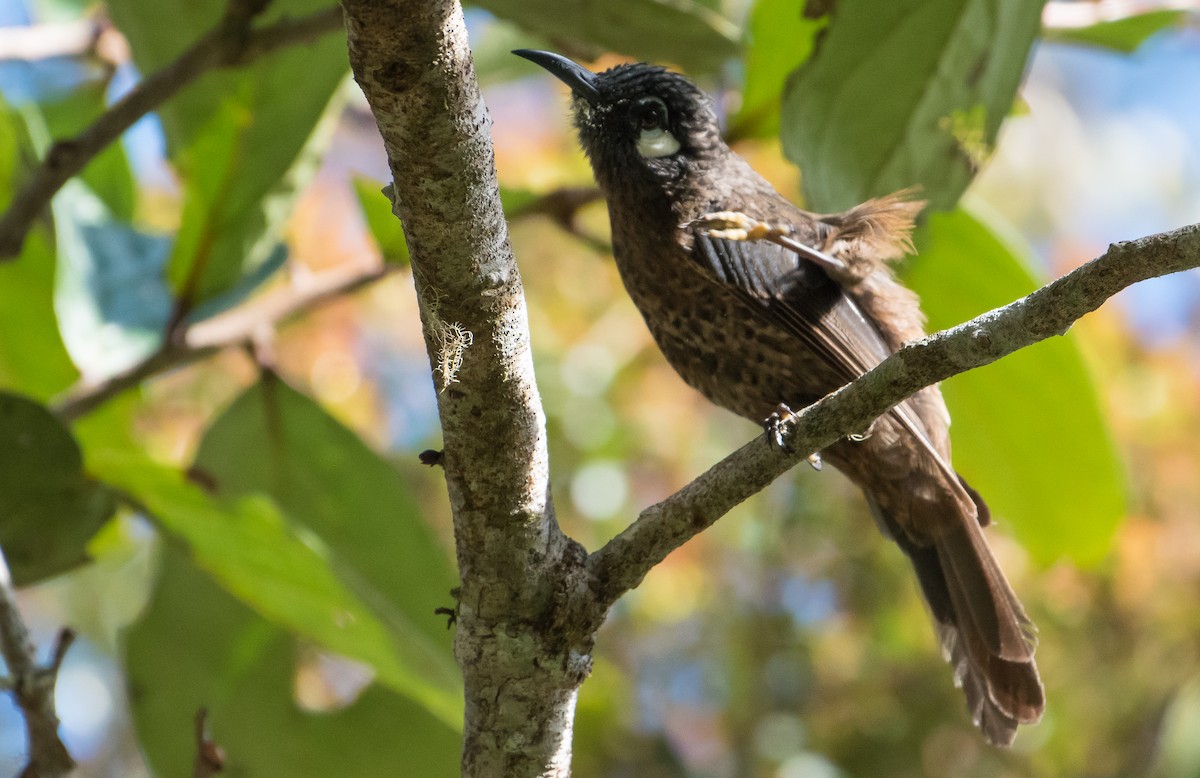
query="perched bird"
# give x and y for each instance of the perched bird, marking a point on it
(757, 303)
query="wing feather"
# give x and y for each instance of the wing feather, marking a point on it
(799, 296)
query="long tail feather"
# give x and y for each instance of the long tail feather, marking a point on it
(985, 634)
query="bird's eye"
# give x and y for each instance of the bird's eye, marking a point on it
(654, 139)
(651, 114)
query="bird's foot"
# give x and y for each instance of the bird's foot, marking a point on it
(776, 424)
(451, 614)
(859, 437)
(735, 225)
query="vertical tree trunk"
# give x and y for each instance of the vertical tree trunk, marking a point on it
(522, 663)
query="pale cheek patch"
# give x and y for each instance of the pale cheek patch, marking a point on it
(657, 143)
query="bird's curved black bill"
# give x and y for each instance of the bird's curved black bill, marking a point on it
(581, 80)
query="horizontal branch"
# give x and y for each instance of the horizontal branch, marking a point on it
(229, 43)
(240, 326)
(622, 563)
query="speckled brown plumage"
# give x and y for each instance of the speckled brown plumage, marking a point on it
(752, 324)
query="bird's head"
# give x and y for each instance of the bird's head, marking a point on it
(637, 123)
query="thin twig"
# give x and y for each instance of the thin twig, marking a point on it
(562, 207)
(238, 327)
(231, 42)
(622, 563)
(210, 757)
(33, 686)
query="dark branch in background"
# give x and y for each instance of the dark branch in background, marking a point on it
(230, 43)
(562, 207)
(622, 563)
(32, 686)
(239, 327)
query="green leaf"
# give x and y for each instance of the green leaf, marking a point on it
(1028, 430)
(15, 146)
(517, 201)
(197, 646)
(32, 356)
(905, 93)
(245, 286)
(286, 574)
(385, 228)
(1124, 35)
(245, 141)
(113, 304)
(684, 32)
(48, 508)
(108, 174)
(111, 426)
(492, 44)
(59, 10)
(1178, 750)
(274, 440)
(237, 198)
(778, 40)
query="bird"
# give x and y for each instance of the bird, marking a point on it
(762, 306)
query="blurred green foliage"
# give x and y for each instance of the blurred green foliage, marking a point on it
(873, 111)
(36, 362)
(245, 141)
(384, 227)
(961, 270)
(197, 646)
(288, 575)
(689, 32)
(50, 508)
(298, 551)
(779, 38)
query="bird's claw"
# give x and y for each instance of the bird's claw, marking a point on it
(775, 426)
(735, 225)
(450, 613)
(859, 437)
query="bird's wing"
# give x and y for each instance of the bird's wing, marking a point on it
(984, 631)
(799, 296)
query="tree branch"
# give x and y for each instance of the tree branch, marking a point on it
(624, 561)
(521, 665)
(230, 43)
(530, 601)
(33, 686)
(562, 206)
(236, 327)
